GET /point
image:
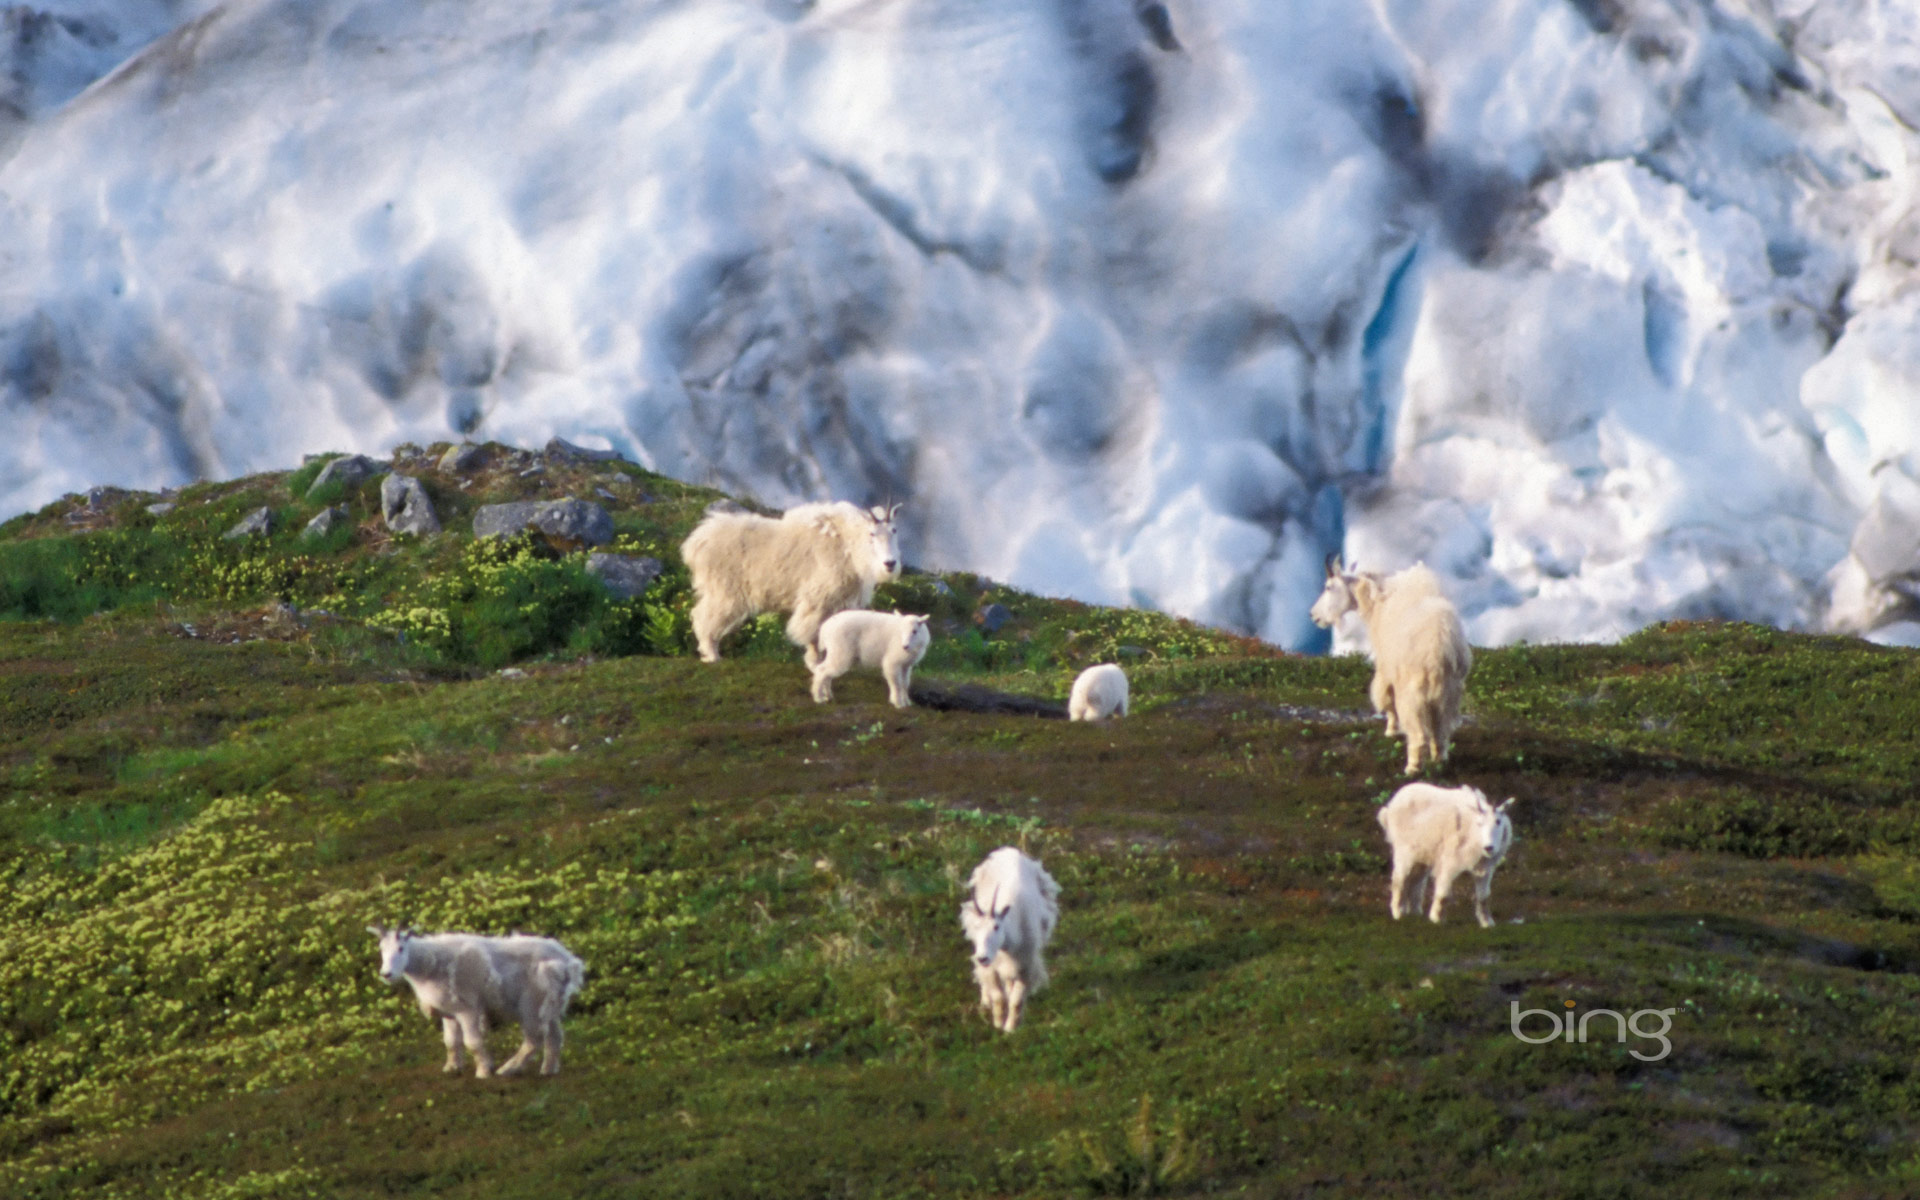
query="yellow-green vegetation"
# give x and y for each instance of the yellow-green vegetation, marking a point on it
(204, 800)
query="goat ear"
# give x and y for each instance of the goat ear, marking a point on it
(891, 510)
(378, 931)
(1333, 565)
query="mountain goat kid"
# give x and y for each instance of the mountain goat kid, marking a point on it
(1100, 692)
(1420, 652)
(893, 642)
(463, 980)
(1445, 832)
(811, 562)
(1010, 931)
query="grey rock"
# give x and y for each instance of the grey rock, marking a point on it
(561, 450)
(463, 458)
(992, 618)
(94, 504)
(257, 523)
(625, 576)
(940, 588)
(161, 509)
(352, 470)
(566, 520)
(328, 520)
(405, 506)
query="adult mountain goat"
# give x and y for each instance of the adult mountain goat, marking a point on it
(810, 562)
(1420, 653)
(1011, 909)
(463, 980)
(1445, 832)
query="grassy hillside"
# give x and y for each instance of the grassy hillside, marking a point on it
(219, 761)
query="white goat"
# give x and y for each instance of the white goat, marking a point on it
(1444, 832)
(812, 562)
(1011, 909)
(1420, 652)
(857, 637)
(463, 980)
(1099, 692)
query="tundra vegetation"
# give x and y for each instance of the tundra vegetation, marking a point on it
(219, 761)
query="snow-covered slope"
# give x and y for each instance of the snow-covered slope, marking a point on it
(1601, 307)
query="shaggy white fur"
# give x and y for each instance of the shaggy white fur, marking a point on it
(462, 980)
(811, 562)
(1099, 692)
(1420, 652)
(893, 642)
(1011, 910)
(1444, 832)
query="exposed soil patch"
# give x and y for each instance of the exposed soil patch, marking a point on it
(972, 697)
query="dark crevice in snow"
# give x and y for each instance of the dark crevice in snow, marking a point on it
(1376, 343)
(900, 217)
(1665, 331)
(1122, 91)
(1833, 321)
(1472, 201)
(1602, 16)
(1121, 148)
(1158, 23)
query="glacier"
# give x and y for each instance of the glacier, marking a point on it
(1604, 309)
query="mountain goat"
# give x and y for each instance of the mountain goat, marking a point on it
(1420, 652)
(893, 642)
(463, 980)
(1009, 931)
(811, 562)
(1444, 832)
(1099, 692)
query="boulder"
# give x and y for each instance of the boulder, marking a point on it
(625, 576)
(351, 470)
(991, 618)
(257, 523)
(560, 450)
(328, 520)
(405, 506)
(576, 522)
(458, 460)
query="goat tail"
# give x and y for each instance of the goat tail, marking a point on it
(561, 979)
